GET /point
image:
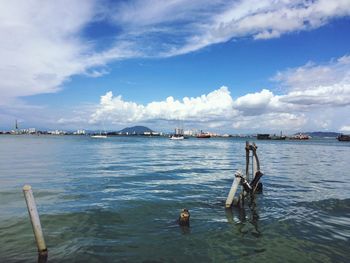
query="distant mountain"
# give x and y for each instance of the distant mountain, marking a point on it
(323, 134)
(137, 130)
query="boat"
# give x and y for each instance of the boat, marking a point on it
(280, 137)
(203, 135)
(343, 138)
(177, 137)
(99, 136)
(263, 136)
(300, 136)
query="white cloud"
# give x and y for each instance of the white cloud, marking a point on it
(271, 122)
(315, 85)
(319, 106)
(312, 75)
(261, 19)
(211, 107)
(42, 43)
(216, 109)
(41, 46)
(345, 128)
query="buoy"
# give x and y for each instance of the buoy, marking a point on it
(184, 218)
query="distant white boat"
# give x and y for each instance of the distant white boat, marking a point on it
(99, 136)
(177, 137)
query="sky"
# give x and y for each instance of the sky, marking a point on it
(240, 66)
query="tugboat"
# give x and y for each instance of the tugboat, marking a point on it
(203, 135)
(343, 138)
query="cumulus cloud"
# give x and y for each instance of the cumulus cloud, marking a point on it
(43, 45)
(345, 128)
(315, 85)
(217, 109)
(294, 109)
(211, 107)
(271, 122)
(312, 76)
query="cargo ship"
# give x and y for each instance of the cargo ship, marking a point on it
(343, 138)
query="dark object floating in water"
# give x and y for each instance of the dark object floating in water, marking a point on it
(343, 138)
(184, 218)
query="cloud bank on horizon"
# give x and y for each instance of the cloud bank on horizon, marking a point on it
(260, 110)
(40, 52)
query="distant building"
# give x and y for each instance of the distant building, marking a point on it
(31, 130)
(190, 133)
(56, 132)
(179, 131)
(79, 132)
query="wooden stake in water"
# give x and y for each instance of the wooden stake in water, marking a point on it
(247, 148)
(34, 218)
(233, 189)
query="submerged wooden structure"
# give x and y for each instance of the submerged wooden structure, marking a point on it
(248, 186)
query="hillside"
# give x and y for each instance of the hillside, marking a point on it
(137, 130)
(323, 134)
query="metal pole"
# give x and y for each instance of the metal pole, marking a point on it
(34, 218)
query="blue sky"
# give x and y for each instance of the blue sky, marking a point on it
(225, 66)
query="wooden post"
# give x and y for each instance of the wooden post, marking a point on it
(34, 218)
(233, 190)
(247, 160)
(254, 163)
(256, 157)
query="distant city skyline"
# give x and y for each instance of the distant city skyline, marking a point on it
(221, 66)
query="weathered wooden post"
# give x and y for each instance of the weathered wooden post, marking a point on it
(257, 186)
(236, 182)
(34, 218)
(247, 187)
(247, 148)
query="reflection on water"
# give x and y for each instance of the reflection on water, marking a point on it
(117, 200)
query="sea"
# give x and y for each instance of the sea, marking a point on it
(118, 200)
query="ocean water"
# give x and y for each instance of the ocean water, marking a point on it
(117, 200)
